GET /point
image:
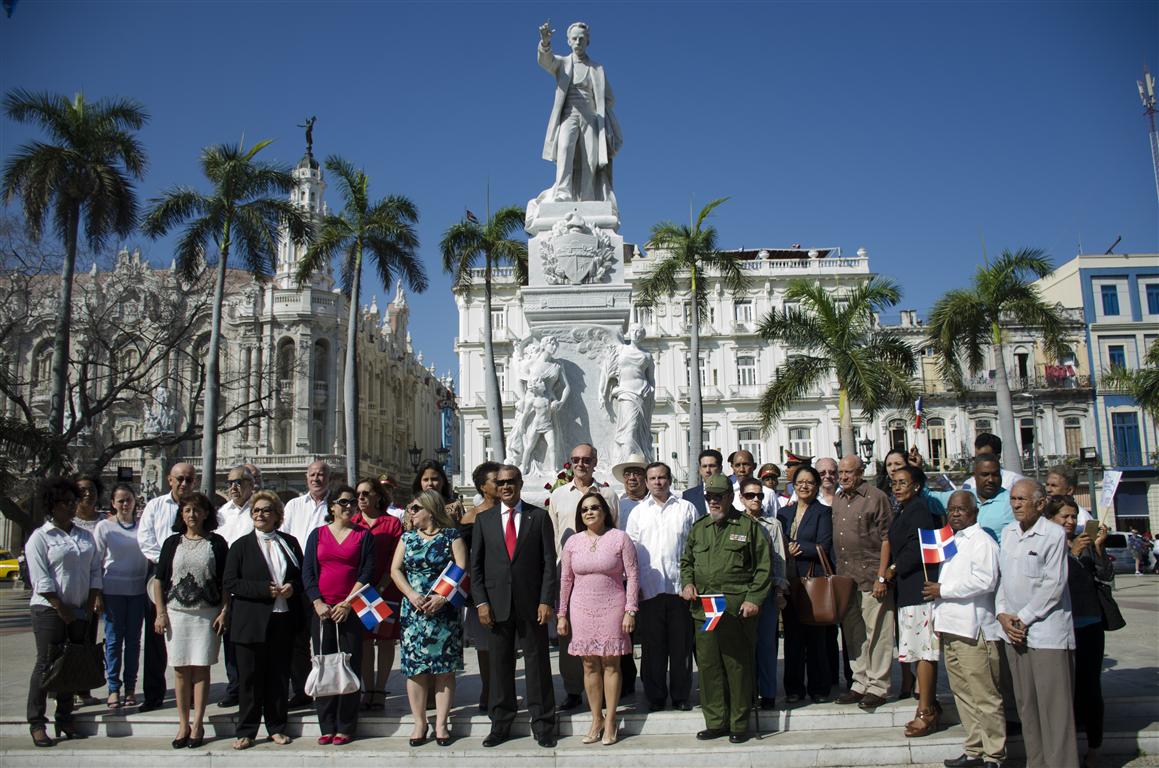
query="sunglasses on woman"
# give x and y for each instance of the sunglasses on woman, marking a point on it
(751, 496)
(344, 502)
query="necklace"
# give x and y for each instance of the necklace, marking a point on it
(430, 533)
(595, 537)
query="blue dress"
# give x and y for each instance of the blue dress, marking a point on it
(431, 643)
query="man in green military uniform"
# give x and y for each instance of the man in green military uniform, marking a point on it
(726, 553)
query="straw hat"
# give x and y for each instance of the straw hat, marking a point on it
(634, 460)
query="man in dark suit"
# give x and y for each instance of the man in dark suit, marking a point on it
(513, 584)
(709, 463)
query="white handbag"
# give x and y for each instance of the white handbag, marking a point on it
(331, 674)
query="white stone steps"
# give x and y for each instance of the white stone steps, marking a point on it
(848, 747)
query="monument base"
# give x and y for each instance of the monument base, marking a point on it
(542, 216)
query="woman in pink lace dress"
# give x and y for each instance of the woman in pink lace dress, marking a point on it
(602, 611)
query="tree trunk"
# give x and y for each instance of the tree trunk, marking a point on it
(213, 377)
(1011, 456)
(491, 379)
(695, 407)
(845, 417)
(350, 385)
(56, 405)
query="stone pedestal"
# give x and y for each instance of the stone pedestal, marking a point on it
(576, 295)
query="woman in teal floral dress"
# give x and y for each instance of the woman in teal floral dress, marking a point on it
(432, 629)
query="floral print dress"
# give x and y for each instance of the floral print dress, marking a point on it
(431, 643)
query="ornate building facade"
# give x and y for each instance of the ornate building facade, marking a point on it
(282, 358)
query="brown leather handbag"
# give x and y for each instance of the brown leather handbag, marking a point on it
(822, 600)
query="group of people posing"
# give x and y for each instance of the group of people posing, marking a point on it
(1017, 614)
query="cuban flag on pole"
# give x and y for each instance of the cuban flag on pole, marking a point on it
(370, 607)
(713, 610)
(452, 584)
(937, 545)
(919, 414)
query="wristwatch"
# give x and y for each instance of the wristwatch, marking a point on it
(880, 579)
(630, 613)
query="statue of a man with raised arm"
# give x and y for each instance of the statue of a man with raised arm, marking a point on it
(582, 132)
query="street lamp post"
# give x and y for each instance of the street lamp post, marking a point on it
(443, 453)
(866, 449)
(1089, 456)
(416, 455)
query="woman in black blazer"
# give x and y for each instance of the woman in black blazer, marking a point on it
(263, 572)
(808, 524)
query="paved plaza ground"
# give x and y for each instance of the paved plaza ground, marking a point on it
(811, 735)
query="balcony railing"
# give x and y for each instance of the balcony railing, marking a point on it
(984, 383)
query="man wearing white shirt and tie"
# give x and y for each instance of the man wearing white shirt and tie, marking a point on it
(155, 526)
(971, 637)
(303, 515)
(659, 526)
(1033, 607)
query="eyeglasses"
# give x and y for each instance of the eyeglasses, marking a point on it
(715, 496)
(183, 479)
(87, 491)
(595, 508)
(752, 496)
(344, 502)
(239, 481)
(804, 484)
(506, 481)
(261, 511)
(414, 509)
(583, 459)
(365, 493)
(633, 471)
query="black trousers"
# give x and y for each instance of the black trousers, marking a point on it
(49, 631)
(532, 639)
(300, 652)
(664, 627)
(1090, 642)
(263, 670)
(806, 650)
(156, 657)
(339, 714)
(230, 656)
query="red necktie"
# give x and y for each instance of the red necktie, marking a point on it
(509, 534)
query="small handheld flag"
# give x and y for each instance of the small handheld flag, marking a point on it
(713, 609)
(452, 584)
(919, 414)
(370, 607)
(937, 545)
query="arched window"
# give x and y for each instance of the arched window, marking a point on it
(897, 436)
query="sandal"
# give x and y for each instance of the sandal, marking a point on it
(130, 700)
(114, 701)
(280, 739)
(245, 742)
(925, 723)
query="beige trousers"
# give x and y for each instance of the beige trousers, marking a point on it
(1044, 688)
(974, 670)
(868, 632)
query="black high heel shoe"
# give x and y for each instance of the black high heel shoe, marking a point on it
(67, 732)
(43, 740)
(443, 741)
(194, 743)
(420, 741)
(181, 742)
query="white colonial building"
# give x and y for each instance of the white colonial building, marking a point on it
(736, 365)
(282, 359)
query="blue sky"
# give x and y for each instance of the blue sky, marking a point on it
(920, 131)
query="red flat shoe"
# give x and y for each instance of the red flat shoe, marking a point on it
(340, 740)
(324, 740)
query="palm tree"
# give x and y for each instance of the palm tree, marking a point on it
(831, 334)
(386, 231)
(87, 174)
(690, 250)
(463, 245)
(1142, 384)
(240, 214)
(965, 321)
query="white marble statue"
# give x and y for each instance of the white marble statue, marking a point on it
(582, 132)
(161, 418)
(628, 385)
(546, 389)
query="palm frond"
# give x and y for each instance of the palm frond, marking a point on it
(798, 375)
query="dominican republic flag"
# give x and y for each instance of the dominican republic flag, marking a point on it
(937, 545)
(452, 584)
(919, 415)
(713, 610)
(370, 607)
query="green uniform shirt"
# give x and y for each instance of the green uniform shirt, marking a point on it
(730, 558)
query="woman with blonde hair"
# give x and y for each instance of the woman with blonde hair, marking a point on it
(432, 628)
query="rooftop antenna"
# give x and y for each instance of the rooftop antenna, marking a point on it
(1147, 96)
